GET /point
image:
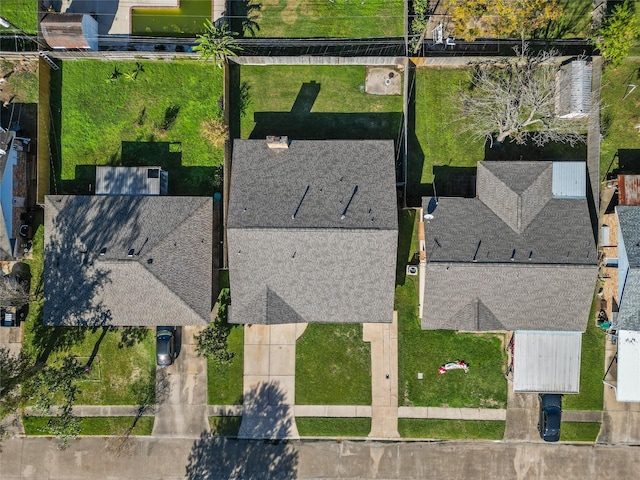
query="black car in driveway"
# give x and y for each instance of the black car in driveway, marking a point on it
(550, 416)
(165, 346)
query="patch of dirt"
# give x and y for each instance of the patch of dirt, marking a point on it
(290, 12)
(9, 71)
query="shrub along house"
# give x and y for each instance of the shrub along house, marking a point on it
(127, 259)
(312, 231)
(519, 257)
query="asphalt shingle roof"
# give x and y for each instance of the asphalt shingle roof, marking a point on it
(483, 274)
(318, 266)
(128, 260)
(628, 317)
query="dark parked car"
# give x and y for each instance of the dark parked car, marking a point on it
(165, 346)
(550, 416)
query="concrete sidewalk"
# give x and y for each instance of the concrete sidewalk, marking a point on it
(384, 377)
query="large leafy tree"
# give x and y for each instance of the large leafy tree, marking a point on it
(617, 33)
(217, 43)
(514, 99)
(501, 18)
(212, 341)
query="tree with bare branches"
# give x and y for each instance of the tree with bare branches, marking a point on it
(514, 99)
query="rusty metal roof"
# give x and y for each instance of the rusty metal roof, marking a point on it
(629, 190)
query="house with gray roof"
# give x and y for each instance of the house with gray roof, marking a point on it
(312, 231)
(128, 260)
(520, 256)
(625, 378)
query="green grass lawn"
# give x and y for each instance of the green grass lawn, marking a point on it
(574, 23)
(225, 426)
(22, 13)
(438, 141)
(152, 120)
(333, 427)
(93, 425)
(185, 21)
(224, 381)
(333, 366)
(23, 83)
(450, 429)
(591, 368)
(314, 102)
(424, 351)
(619, 117)
(579, 432)
(341, 18)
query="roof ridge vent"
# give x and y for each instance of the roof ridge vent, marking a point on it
(274, 141)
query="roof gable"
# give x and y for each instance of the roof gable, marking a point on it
(135, 259)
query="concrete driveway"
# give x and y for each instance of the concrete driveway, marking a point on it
(181, 391)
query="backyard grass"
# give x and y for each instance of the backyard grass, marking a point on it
(450, 429)
(224, 381)
(424, 351)
(333, 427)
(439, 140)
(22, 13)
(93, 425)
(185, 21)
(342, 18)
(619, 116)
(225, 426)
(23, 82)
(110, 118)
(579, 432)
(333, 366)
(315, 102)
(591, 368)
(574, 23)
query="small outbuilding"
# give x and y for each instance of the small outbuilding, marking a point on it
(70, 31)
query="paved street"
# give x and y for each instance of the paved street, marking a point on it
(211, 458)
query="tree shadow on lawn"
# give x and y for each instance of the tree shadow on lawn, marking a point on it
(552, 151)
(302, 124)
(199, 181)
(573, 13)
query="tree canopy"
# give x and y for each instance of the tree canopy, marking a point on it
(617, 33)
(514, 99)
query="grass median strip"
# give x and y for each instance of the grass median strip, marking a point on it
(94, 425)
(579, 432)
(225, 426)
(333, 427)
(450, 429)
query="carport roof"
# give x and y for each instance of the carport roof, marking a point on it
(547, 362)
(628, 381)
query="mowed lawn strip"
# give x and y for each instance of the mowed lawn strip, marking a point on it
(619, 116)
(591, 368)
(450, 429)
(333, 427)
(342, 18)
(439, 137)
(579, 432)
(316, 102)
(224, 381)
(333, 366)
(94, 425)
(162, 110)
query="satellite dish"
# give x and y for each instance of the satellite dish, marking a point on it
(428, 217)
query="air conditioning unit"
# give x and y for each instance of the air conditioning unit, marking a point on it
(412, 269)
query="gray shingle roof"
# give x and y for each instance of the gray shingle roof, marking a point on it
(628, 317)
(315, 180)
(316, 267)
(124, 260)
(485, 275)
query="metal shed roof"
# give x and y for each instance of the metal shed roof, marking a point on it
(569, 180)
(130, 181)
(628, 381)
(547, 362)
